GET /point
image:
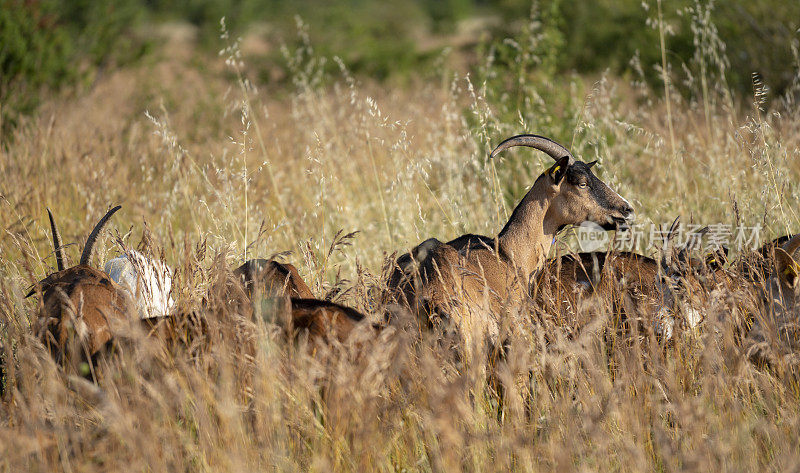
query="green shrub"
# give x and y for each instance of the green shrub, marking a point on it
(606, 34)
(46, 44)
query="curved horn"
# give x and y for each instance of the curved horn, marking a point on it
(666, 259)
(553, 149)
(56, 242)
(88, 248)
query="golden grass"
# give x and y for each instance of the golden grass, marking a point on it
(218, 169)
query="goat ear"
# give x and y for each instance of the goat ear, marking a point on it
(712, 261)
(787, 268)
(559, 170)
(589, 165)
(717, 258)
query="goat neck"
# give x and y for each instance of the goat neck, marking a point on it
(528, 235)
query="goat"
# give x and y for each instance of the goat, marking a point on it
(779, 327)
(766, 276)
(757, 265)
(149, 282)
(277, 290)
(686, 281)
(630, 279)
(322, 321)
(782, 289)
(468, 280)
(639, 286)
(265, 278)
(259, 289)
(78, 304)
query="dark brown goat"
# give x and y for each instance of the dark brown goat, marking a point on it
(258, 289)
(277, 289)
(657, 296)
(323, 321)
(774, 337)
(630, 280)
(758, 265)
(78, 304)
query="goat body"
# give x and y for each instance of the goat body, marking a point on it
(271, 278)
(80, 299)
(629, 282)
(277, 290)
(78, 304)
(779, 326)
(323, 321)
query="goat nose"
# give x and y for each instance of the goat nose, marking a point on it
(627, 210)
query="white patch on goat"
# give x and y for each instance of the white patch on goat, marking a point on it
(148, 281)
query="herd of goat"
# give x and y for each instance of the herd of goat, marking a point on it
(462, 288)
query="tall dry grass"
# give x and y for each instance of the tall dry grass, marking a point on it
(211, 169)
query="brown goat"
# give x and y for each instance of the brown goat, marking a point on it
(767, 277)
(758, 265)
(784, 280)
(656, 295)
(78, 303)
(776, 333)
(323, 321)
(265, 278)
(277, 289)
(566, 281)
(465, 285)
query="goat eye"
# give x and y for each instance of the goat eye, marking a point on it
(582, 185)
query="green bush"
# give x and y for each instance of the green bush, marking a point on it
(45, 44)
(32, 55)
(606, 34)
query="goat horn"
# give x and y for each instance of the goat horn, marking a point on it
(553, 149)
(667, 248)
(56, 242)
(90, 241)
(792, 245)
(674, 228)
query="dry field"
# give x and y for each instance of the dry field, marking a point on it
(212, 170)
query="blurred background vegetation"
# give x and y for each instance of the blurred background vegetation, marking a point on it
(51, 46)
